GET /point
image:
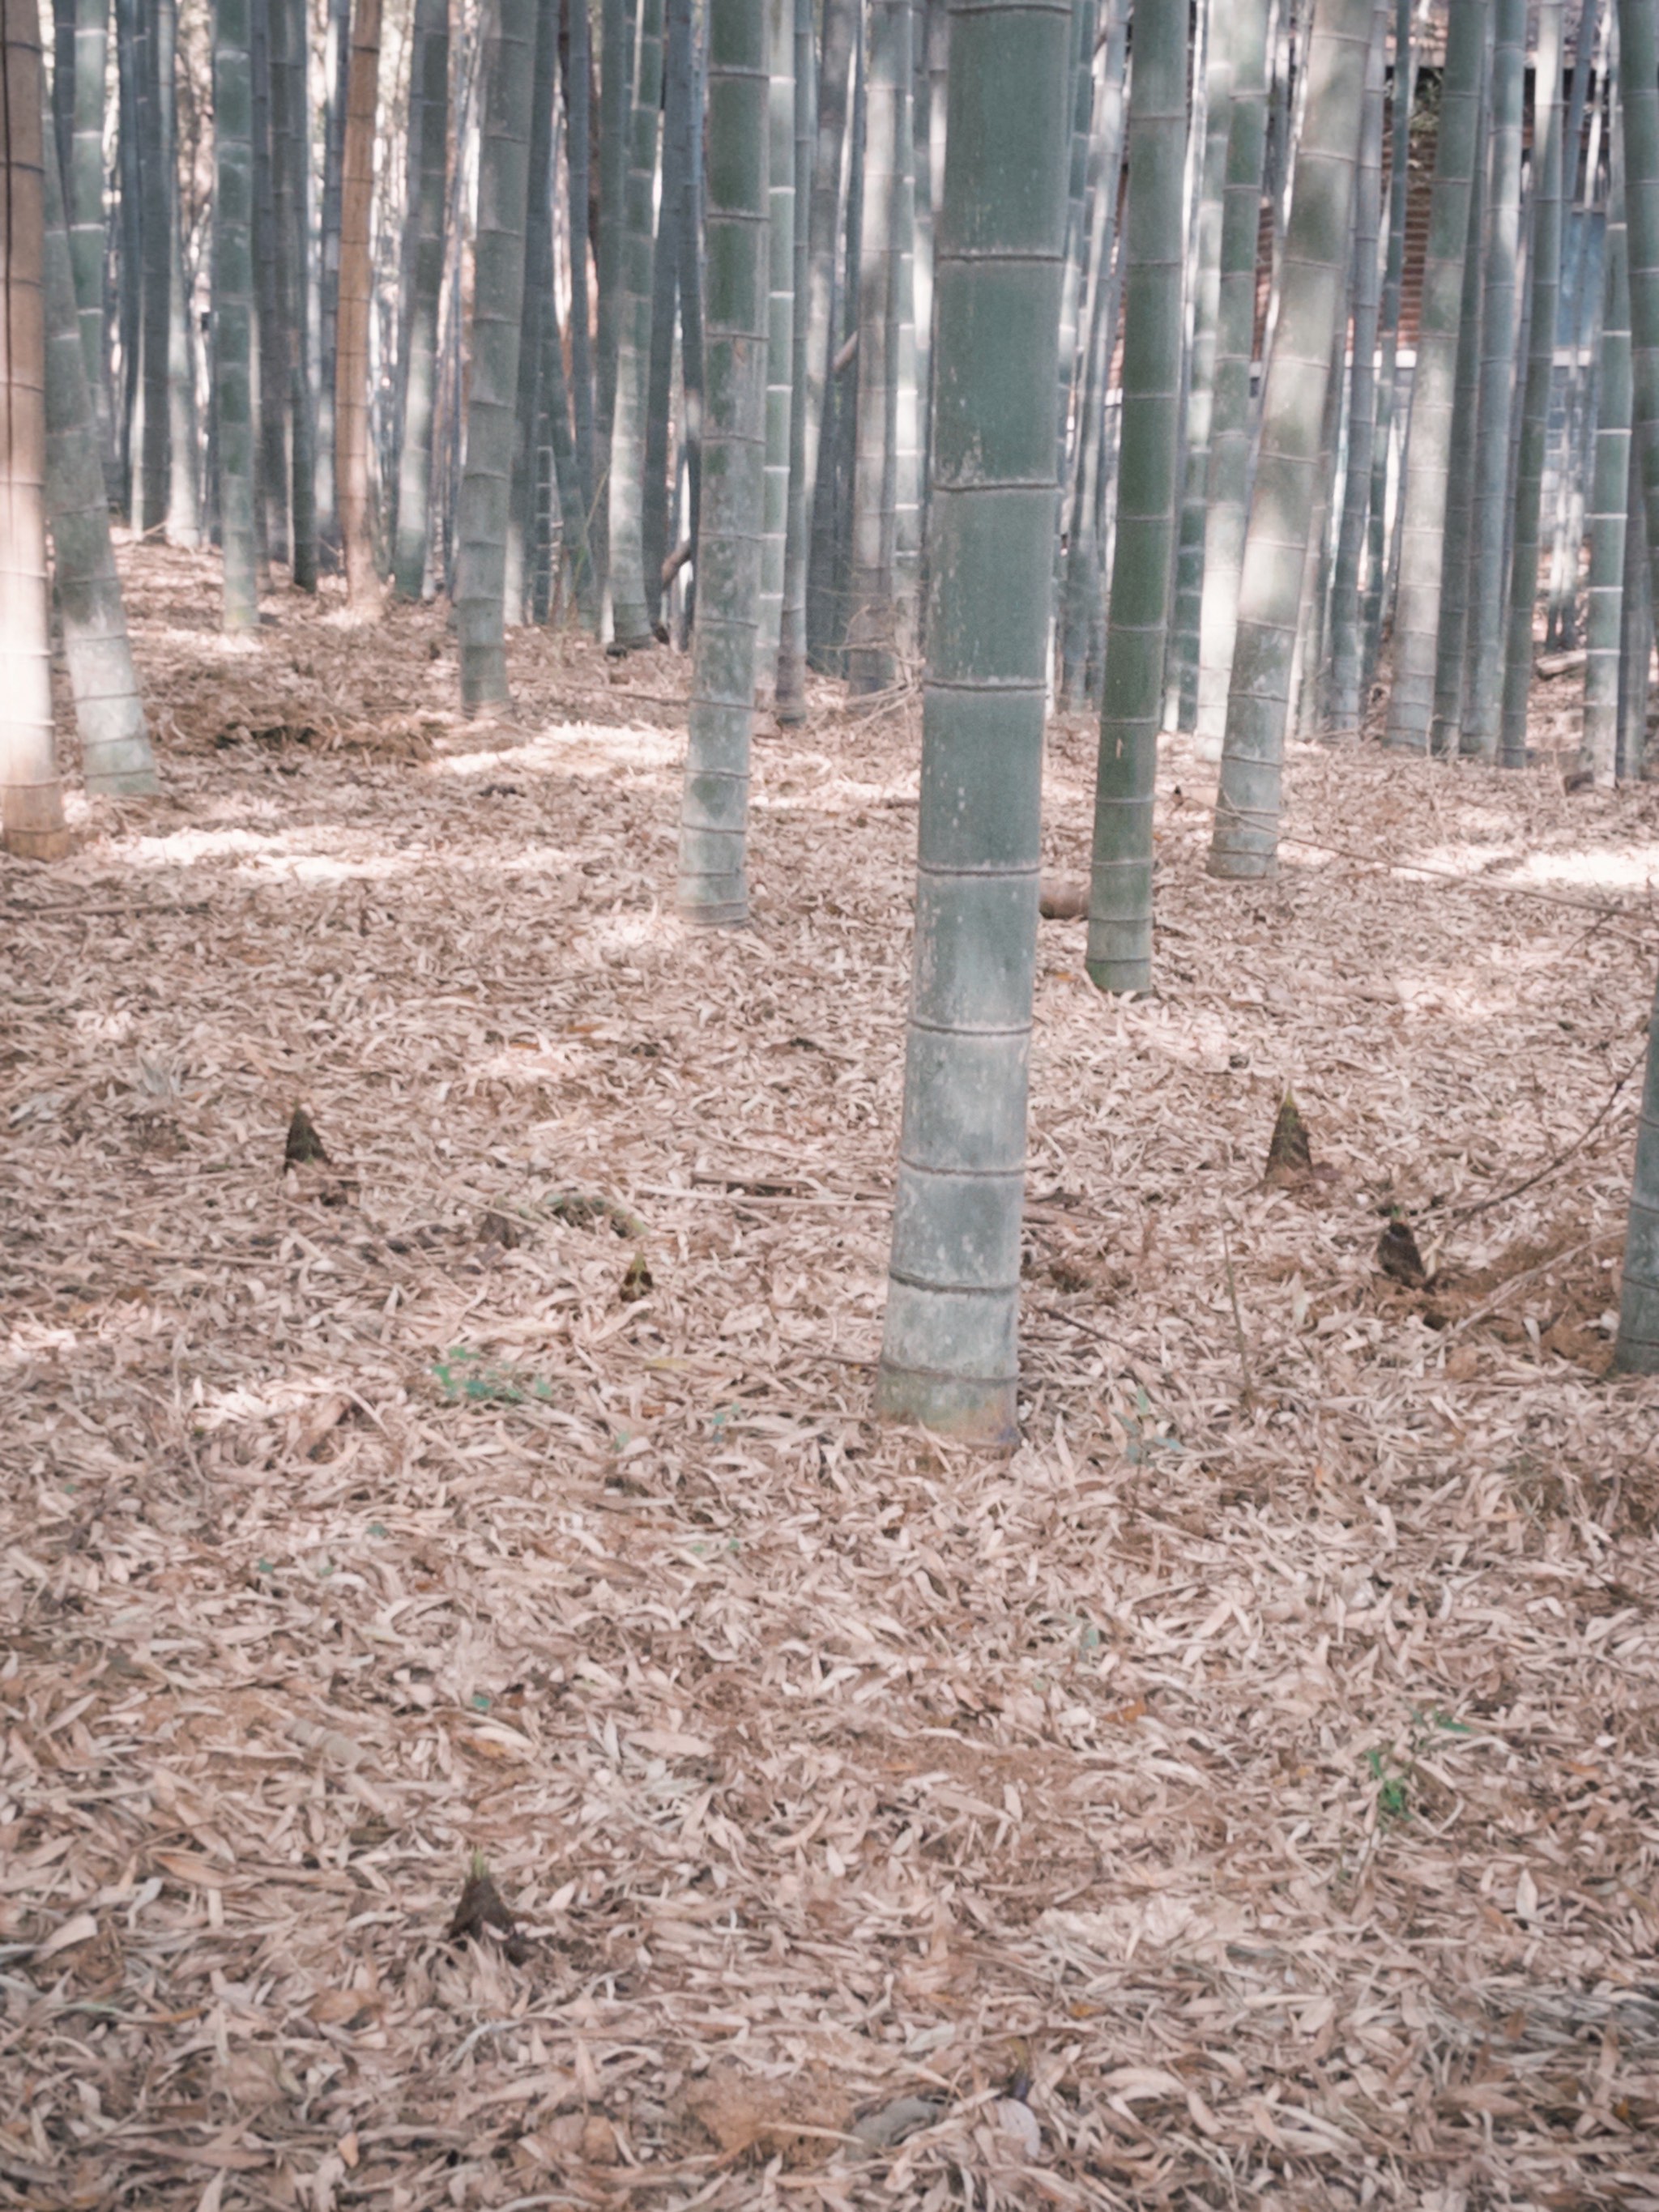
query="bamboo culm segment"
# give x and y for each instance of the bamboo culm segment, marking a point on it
(1428, 446)
(949, 1352)
(1119, 949)
(355, 299)
(1543, 287)
(1231, 406)
(109, 710)
(631, 618)
(429, 128)
(233, 309)
(1609, 500)
(31, 796)
(779, 329)
(713, 886)
(1635, 1351)
(1481, 717)
(493, 385)
(1317, 261)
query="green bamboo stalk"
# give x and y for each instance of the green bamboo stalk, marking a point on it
(1232, 410)
(1636, 1349)
(1421, 528)
(109, 710)
(1609, 503)
(1201, 383)
(497, 334)
(233, 309)
(1482, 713)
(1577, 433)
(830, 158)
(949, 1353)
(616, 21)
(1082, 583)
(1457, 549)
(779, 328)
(182, 517)
(1378, 561)
(525, 574)
(1635, 632)
(1344, 697)
(1318, 255)
(1119, 946)
(429, 106)
(631, 618)
(1543, 287)
(790, 692)
(578, 108)
(31, 795)
(713, 886)
(85, 184)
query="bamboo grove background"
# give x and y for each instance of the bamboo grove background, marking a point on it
(635, 316)
(388, 199)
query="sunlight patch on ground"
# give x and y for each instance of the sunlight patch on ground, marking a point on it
(566, 746)
(1593, 867)
(626, 932)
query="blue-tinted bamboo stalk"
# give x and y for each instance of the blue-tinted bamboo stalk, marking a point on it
(949, 1353)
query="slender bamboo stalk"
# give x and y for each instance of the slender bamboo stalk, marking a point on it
(781, 251)
(109, 711)
(183, 517)
(790, 693)
(1428, 450)
(1499, 333)
(1318, 256)
(356, 300)
(948, 1352)
(631, 619)
(713, 818)
(1231, 411)
(524, 562)
(1343, 696)
(1635, 632)
(1636, 1349)
(270, 332)
(84, 184)
(337, 69)
(873, 642)
(31, 796)
(832, 164)
(429, 94)
(1120, 947)
(1610, 489)
(154, 162)
(1577, 430)
(496, 335)
(1378, 535)
(660, 374)
(617, 19)
(1200, 381)
(1452, 635)
(578, 108)
(1543, 286)
(233, 309)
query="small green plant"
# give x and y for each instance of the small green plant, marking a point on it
(1393, 1796)
(465, 1380)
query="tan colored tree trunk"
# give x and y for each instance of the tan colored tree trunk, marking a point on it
(31, 797)
(356, 283)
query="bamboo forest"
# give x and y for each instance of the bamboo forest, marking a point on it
(829, 1130)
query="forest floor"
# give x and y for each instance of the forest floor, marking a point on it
(1248, 1791)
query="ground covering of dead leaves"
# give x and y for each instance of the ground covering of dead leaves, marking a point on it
(1246, 1793)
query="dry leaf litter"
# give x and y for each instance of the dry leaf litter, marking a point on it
(1246, 1793)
